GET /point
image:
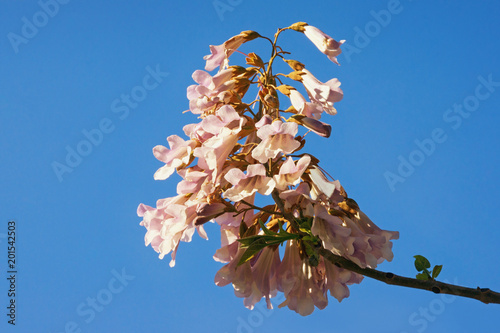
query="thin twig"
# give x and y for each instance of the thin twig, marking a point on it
(261, 209)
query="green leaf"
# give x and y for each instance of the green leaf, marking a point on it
(265, 230)
(436, 270)
(423, 276)
(421, 263)
(247, 241)
(252, 250)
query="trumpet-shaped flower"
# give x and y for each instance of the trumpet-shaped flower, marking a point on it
(219, 54)
(179, 154)
(308, 109)
(245, 185)
(326, 44)
(324, 94)
(213, 153)
(210, 90)
(290, 173)
(168, 224)
(302, 284)
(277, 137)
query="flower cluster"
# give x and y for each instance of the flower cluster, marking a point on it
(240, 150)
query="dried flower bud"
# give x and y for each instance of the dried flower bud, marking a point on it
(295, 65)
(299, 26)
(255, 60)
(249, 34)
(296, 75)
(272, 101)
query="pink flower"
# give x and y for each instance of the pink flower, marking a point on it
(321, 185)
(168, 224)
(245, 185)
(357, 239)
(337, 280)
(229, 245)
(195, 182)
(298, 200)
(323, 42)
(212, 124)
(290, 173)
(219, 54)
(264, 271)
(178, 155)
(324, 94)
(252, 280)
(230, 230)
(277, 137)
(331, 230)
(213, 152)
(240, 277)
(368, 245)
(210, 90)
(308, 109)
(303, 285)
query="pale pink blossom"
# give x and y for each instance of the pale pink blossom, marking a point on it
(219, 54)
(367, 244)
(252, 280)
(242, 279)
(245, 185)
(264, 272)
(326, 44)
(320, 184)
(337, 279)
(300, 104)
(277, 137)
(195, 180)
(229, 244)
(210, 90)
(324, 94)
(298, 200)
(240, 276)
(213, 152)
(169, 224)
(179, 154)
(255, 278)
(212, 124)
(230, 230)
(355, 238)
(303, 285)
(290, 172)
(331, 230)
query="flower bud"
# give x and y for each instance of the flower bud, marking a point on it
(299, 26)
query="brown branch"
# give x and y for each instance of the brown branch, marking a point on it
(259, 208)
(484, 295)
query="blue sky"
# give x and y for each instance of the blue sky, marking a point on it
(415, 142)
